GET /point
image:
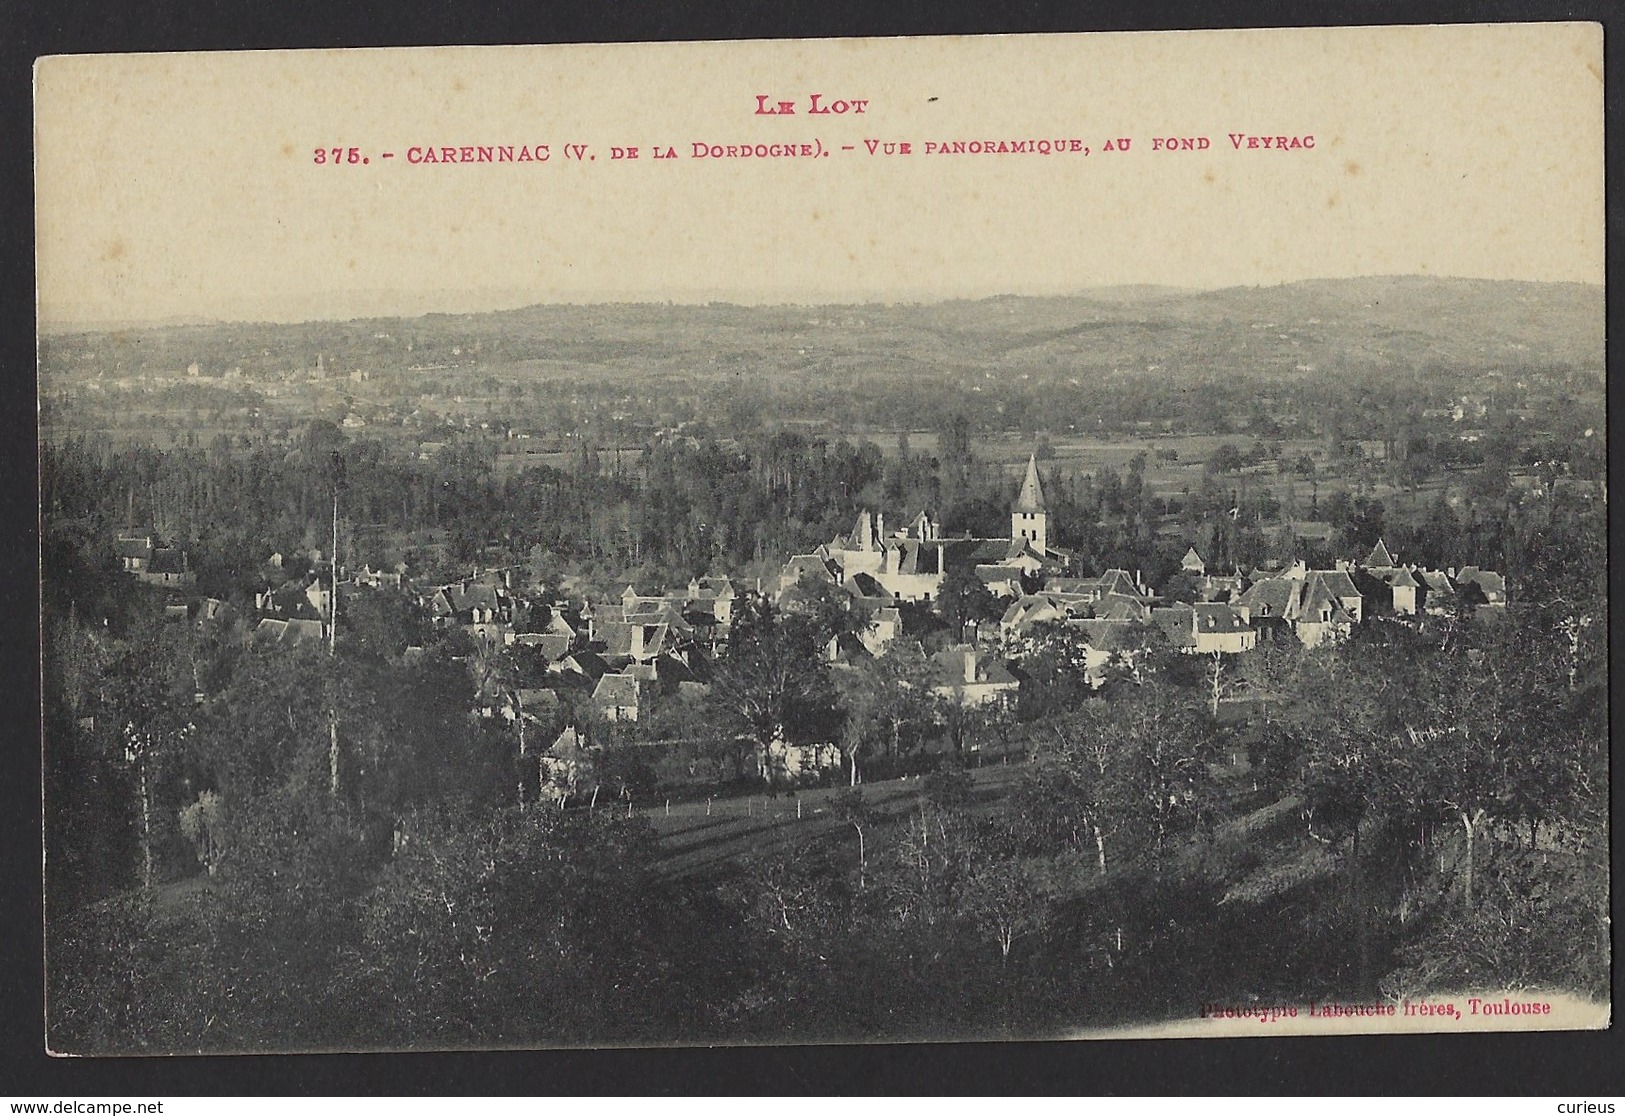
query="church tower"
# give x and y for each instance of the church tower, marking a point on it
(1029, 515)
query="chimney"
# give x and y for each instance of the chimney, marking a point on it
(637, 641)
(880, 527)
(970, 665)
(940, 549)
(866, 531)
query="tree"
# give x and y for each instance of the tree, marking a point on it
(861, 694)
(1500, 449)
(204, 824)
(855, 812)
(1077, 791)
(963, 599)
(1522, 752)
(1226, 459)
(1056, 669)
(1166, 747)
(1003, 898)
(426, 749)
(1559, 543)
(381, 624)
(1272, 675)
(496, 676)
(797, 903)
(932, 861)
(1466, 745)
(624, 770)
(883, 703)
(774, 671)
(1414, 469)
(826, 607)
(988, 725)
(1181, 588)
(266, 730)
(556, 918)
(1346, 776)
(955, 459)
(150, 690)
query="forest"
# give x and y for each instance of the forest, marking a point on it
(306, 849)
(687, 505)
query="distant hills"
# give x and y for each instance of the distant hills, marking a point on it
(1399, 317)
(1301, 328)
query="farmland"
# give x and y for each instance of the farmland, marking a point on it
(613, 375)
(698, 838)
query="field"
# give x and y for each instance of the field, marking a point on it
(1264, 843)
(700, 838)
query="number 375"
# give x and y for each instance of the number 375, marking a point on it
(338, 155)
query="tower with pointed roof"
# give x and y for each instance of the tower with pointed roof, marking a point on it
(1029, 515)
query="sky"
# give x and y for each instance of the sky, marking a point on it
(188, 186)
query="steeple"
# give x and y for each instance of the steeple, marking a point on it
(1029, 515)
(1031, 497)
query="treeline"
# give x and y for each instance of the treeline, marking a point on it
(689, 506)
(683, 508)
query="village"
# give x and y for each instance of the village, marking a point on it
(975, 608)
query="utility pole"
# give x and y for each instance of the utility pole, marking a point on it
(337, 462)
(333, 600)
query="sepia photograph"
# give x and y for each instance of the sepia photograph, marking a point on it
(905, 540)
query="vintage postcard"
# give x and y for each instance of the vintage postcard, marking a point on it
(824, 541)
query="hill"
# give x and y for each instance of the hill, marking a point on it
(1404, 319)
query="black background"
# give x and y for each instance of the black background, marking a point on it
(1552, 1065)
